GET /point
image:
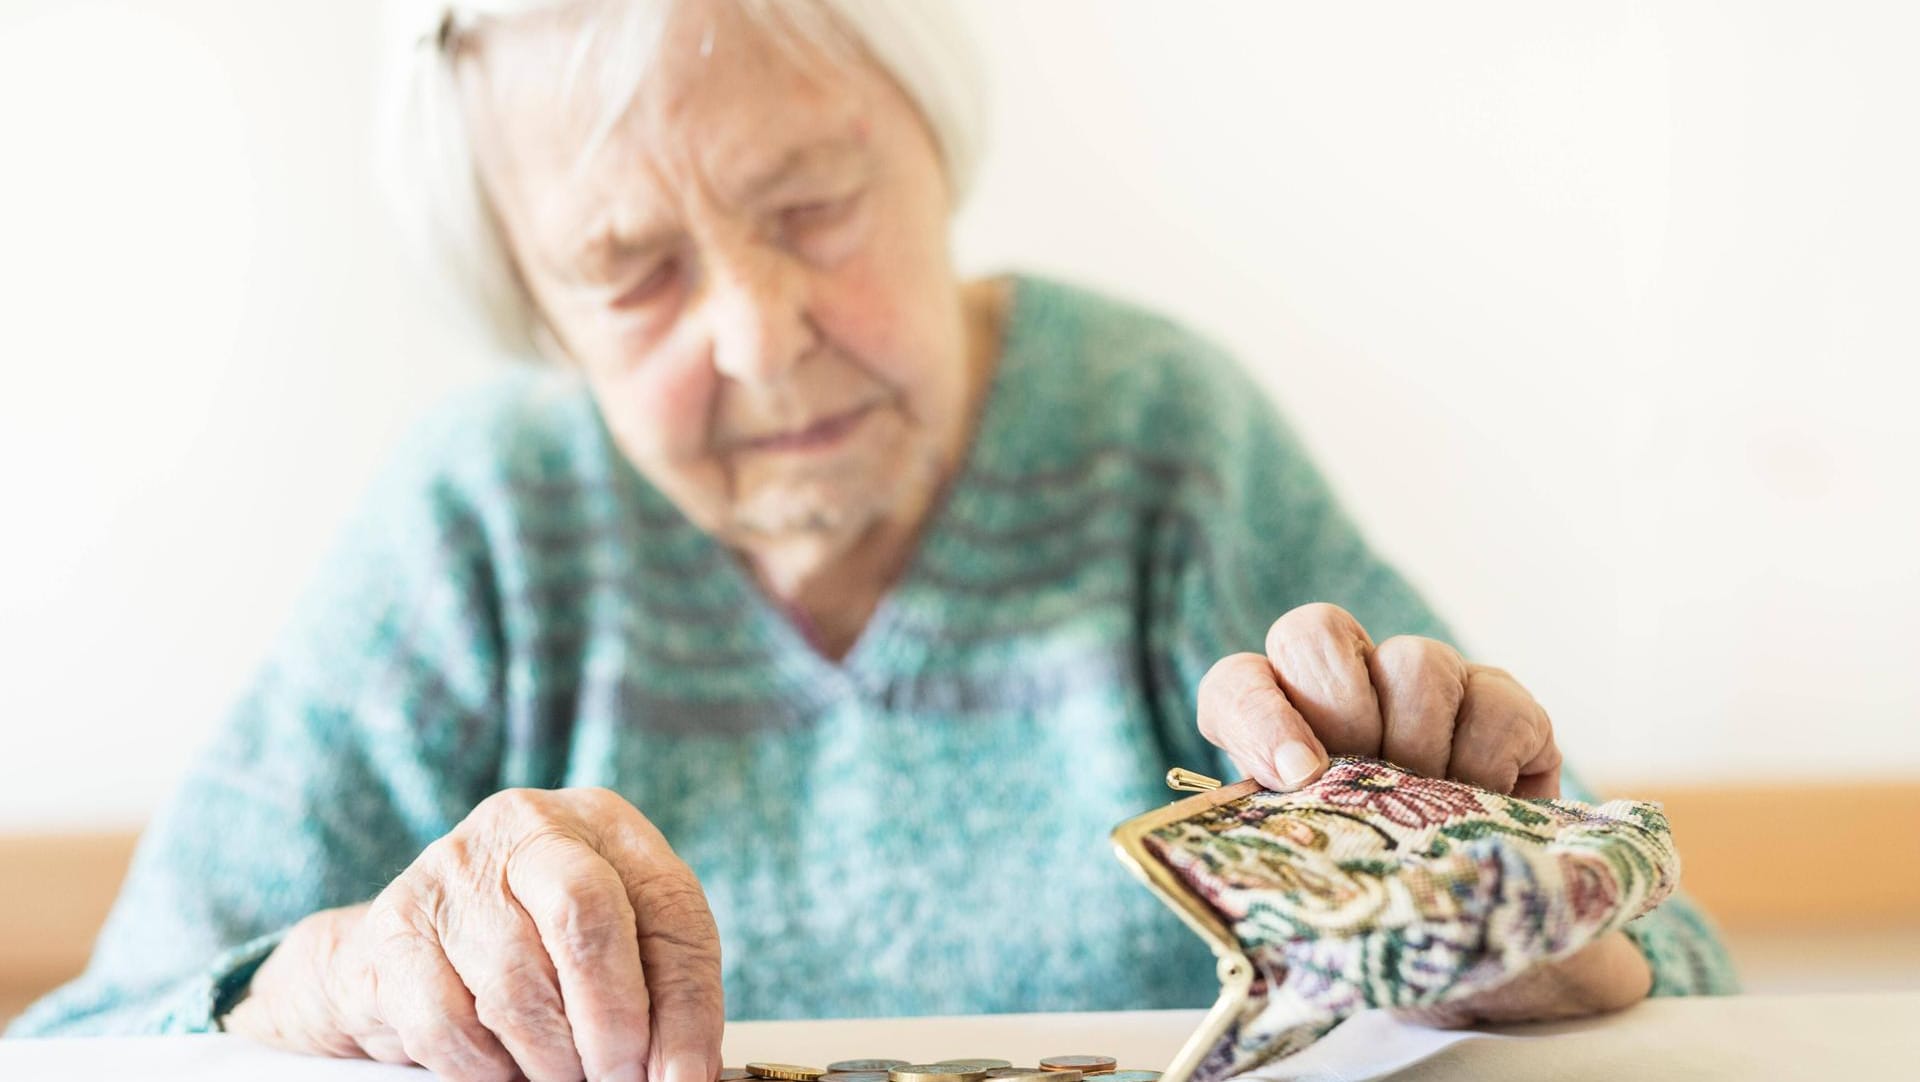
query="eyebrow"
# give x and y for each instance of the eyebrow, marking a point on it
(594, 258)
(759, 185)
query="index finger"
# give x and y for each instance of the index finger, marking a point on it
(679, 951)
(1244, 712)
(579, 904)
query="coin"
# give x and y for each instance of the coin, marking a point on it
(787, 1072)
(1131, 1076)
(854, 1076)
(936, 1072)
(1031, 1074)
(976, 1064)
(866, 1064)
(1083, 1064)
(733, 1074)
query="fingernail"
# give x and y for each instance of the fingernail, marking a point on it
(1295, 763)
(688, 1067)
(626, 1072)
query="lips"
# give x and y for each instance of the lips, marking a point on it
(816, 436)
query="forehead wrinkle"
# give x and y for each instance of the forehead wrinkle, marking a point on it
(689, 129)
(726, 85)
(840, 144)
(735, 161)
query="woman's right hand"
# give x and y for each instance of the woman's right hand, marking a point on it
(552, 934)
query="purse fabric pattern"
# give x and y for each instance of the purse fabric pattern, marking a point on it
(1375, 887)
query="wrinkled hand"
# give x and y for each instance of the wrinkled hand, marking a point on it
(552, 934)
(1608, 974)
(1323, 687)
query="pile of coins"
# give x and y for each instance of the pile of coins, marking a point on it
(1051, 1069)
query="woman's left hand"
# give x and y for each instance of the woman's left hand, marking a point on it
(1323, 687)
(1608, 974)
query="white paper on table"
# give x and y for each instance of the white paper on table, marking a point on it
(208, 1058)
(1369, 1045)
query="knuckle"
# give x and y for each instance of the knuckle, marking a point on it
(680, 905)
(1316, 620)
(1490, 674)
(584, 924)
(1223, 679)
(601, 798)
(1252, 704)
(446, 863)
(1411, 652)
(1540, 730)
(397, 917)
(1550, 760)
(1411, 663)
(512, 805)
(607, 818)
(678, 916)
(1218, 689)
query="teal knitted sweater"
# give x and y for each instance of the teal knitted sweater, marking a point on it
(918, 829)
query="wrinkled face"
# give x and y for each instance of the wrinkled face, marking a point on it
(751, 270)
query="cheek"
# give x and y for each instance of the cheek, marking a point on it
(659, 408)
(885, 313)
(860, 315)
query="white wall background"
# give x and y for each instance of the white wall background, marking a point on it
(1602, 317)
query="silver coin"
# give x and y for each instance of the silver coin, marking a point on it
(976, 1064)
(936, 1072)
(866, 1065)
(854, 1076)
(1131, 1076)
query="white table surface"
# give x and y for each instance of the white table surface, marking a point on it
(1749, 1038)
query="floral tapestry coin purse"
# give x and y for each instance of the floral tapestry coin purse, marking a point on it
(1374, 887)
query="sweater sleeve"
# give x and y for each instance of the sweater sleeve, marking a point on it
(1259, 532)
(370, 730)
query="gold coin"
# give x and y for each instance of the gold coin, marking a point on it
(786, 1072)
(935, 1072)
(1031, 1074)
(882, 1065)
(976, 1064)
(1083, 1064)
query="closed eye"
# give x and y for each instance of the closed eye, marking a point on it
(652, 286)
(800, 217)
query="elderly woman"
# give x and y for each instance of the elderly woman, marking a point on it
(799, 630)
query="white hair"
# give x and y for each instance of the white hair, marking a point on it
(427, 158)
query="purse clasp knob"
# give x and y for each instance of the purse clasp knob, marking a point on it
(1188, 781)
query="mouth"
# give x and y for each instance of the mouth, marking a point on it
(820, 435)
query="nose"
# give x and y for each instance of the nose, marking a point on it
(758, 315)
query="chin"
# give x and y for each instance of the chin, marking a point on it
(810, 513)
(833, 508)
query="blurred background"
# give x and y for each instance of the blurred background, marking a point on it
(1602, 318)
